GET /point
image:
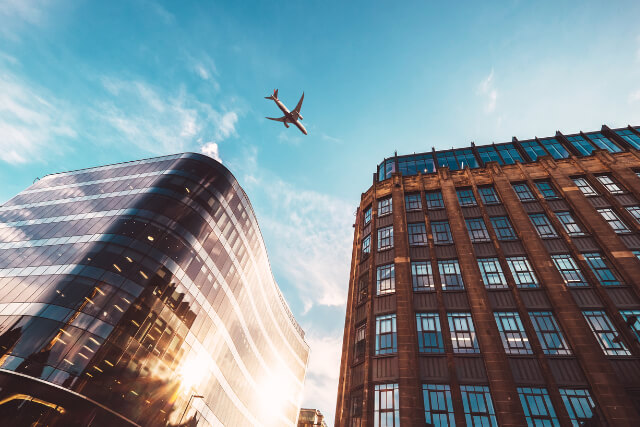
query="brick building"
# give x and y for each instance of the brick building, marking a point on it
(498, 284)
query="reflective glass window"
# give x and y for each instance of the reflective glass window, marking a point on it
(447, 159)
(385, 279)
(434, 200)
(628, 316)
(450, 275)
(614, 220)
(477, 230)
(413, 202)
(360, 341)
(634, 211)
(463, 334)
(585, 187)
(387, 406)
(547, 190)
(385, 206)
(522, 272)
(489, 154)
(608, 183)
(438, 406)
(366, 245)
(630, 137)
(554, 147)
(386, 334)
(602, 269)
(583, 146)
(569, 224)
(603, 142)
(502, 227)
(523, 192)
(385, 238)
(579, 405)
(367, 215)
(417, 234)
(549, 334)
(421, 276)
(514, 338)
(492, 275)
(489, 195)
(569, 270)
(605, 333)
(429, 333)
(478, 407)
(533, 149)
(509, 154)
(537, 407)
(466, 197)
(441, 232)
(543, 225)
(466, 158)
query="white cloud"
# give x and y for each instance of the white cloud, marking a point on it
(17, 14)
(226, 124)
(487, 90)
(33, 123)
(211, 150)
(321, 384)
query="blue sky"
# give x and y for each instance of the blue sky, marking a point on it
(88, 83)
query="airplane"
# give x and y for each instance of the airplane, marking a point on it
(289, 116)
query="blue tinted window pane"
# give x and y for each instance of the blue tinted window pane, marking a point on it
(537, 407)
(581, 144)
(447, 158)
(603, 142)
(478, 407)
(605, 333)
(489, 154)
(630, 137)
(579, 405)
(466, 158)
(429, 333)
(555, 148)
(533, 149)
(509, 154)
(514, 338)
(438, 407)
(549, 334)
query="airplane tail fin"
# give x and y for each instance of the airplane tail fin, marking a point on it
(274, 96)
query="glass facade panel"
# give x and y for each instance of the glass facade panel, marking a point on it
(549, 334)
(583, 146)
(603, 142)
(514, 338)
(605, 333)
(630, 137)
(429, 333)
(533, 149)
(463, 334)
(537, 407)
(489, 154)
(554, 147)
(509, 154)
(438, 407)
(478, 407)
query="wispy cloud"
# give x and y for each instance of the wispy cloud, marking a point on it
(33, 123)
(16, 14)
(211, 150)
(487, 90)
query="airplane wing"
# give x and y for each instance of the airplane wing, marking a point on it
(296, 110)
(281, 119)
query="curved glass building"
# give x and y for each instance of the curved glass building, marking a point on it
(141, 294)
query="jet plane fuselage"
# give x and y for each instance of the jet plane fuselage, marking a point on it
(292, 117)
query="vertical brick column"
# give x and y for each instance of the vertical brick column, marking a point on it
(607, 391)
(411, 406)
(503, 389)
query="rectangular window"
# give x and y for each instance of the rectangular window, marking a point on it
(547, 190)
(492, 275)
(489, 154)
(522, 272)
(569, 224)
(533, 149)
(509, 154)
(628, 316)
(477, 230)
(523, 192)
(366, 245)
(634, 211)
(360, 342)
(466, 197)
(556, 149)
(429, 333)
(463, 334)
(579, 405)
(441, 233)
(385, 238)
(422, 276)
(386, 334)
(478, 407)
(503, 228)
(608, 183)
(447, 159)
(537, 407)
(385, 279)
(585, 187)
(514, 338)
(466, 158)
(601, 268)
(543, 225)
(569, 270)
(356, 409)
(450, 275)
(367, 215)
(434, 200)
(489, 195)
(605, 333)
(603, 142)
(387, 406)
(630, 137)
(581, 144)
(417, 234)
(413, 202)
(438, 407)
(363, 292)
(614, 220)
(385, 206)
(549, 334)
